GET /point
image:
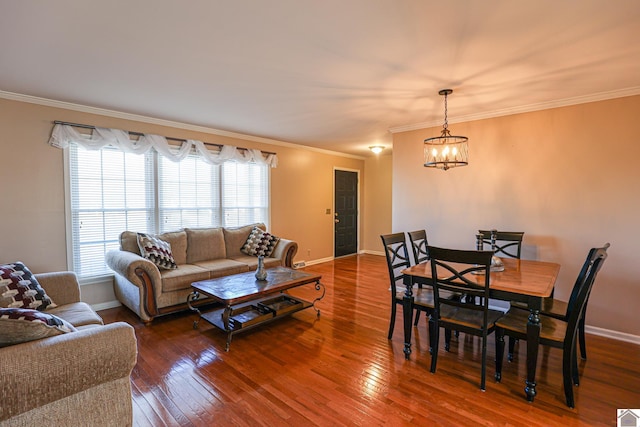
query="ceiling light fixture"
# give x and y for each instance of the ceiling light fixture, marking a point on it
(377, 148)
(446, 151)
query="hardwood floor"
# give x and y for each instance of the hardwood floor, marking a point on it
(340, 369)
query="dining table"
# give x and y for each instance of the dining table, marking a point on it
(527, 281)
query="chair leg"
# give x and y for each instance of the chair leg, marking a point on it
(567, 374)
(483, 374)
(447, 339)
(392, 322)
(435, 328)
(582, 339)
(512, 347)
(575, 374)
(431, 326)
(415, 322)
(499, 353)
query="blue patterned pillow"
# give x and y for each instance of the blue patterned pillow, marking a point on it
(20, 289)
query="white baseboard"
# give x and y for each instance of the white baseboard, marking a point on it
(368, 252)
(608, 333)
(318, 261)
(106, 305)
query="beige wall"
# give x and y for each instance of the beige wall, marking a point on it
(32, 225)
(568, 177)
(377, 202)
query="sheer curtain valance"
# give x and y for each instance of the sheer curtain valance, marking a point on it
(62, 135)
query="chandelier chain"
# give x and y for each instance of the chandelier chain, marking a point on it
(446, 122)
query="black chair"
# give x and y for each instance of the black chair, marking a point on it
(559, 309)
(461, 272)
(419, 245)
(555, 332)
(395, 248)
(508, 243)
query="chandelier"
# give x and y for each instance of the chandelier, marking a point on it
(446, 151)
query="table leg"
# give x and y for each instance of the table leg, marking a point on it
(225, 321)
(407, 314)
(194, 296)
(533, 341)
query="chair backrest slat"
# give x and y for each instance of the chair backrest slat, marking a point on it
(461, 272)
(508, 243)
(577, 303)
(419, 245)
(395, 250)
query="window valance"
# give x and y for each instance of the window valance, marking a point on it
(63, 134)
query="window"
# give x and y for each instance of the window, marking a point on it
(112, 191)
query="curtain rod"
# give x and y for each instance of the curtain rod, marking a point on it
(79, 125)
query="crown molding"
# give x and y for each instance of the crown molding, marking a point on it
(602, 96)
(161, 122)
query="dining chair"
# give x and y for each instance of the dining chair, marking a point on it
(555, 332)
(559, 309)
(419, 244)
(508, 243)
(395, 249)
(461, 272)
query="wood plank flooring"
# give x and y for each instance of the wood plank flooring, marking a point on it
(340, 369)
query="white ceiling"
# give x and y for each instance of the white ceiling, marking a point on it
(333, 74)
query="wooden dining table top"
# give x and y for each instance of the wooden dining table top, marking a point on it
(526, 277)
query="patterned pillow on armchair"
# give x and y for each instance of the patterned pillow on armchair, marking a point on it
(20, 289)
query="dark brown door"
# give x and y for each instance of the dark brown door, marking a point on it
(346, 213)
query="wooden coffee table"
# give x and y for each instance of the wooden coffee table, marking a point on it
(249, 302)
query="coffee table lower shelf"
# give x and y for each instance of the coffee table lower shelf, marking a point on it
(246, 316)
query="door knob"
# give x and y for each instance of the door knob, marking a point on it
(336, 220)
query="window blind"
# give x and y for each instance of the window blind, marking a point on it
(112, 191)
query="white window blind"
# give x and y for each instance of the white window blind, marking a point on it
(112, 191)
(189, 194)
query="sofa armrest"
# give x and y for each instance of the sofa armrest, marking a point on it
(61, 286)
(140, 272)
(43, 371)
(285, 250)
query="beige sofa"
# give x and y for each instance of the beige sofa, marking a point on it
(200, 254)
(79, 378)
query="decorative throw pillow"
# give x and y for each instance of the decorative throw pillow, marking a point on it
(157, 251)
(20, 289)
(259, 243)
(19, 325)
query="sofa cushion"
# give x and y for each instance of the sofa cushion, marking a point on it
(223, 267)
(20, 289)
(129, 242)
(235, 238)
(157, 251)
(79, 314)
(173, 280)
(252, 261)
(204, 244)
(259, 243)
(18, 325)
(177, 240)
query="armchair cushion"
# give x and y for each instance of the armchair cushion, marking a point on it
(20, 289)
(259, 243)
(18, 325)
